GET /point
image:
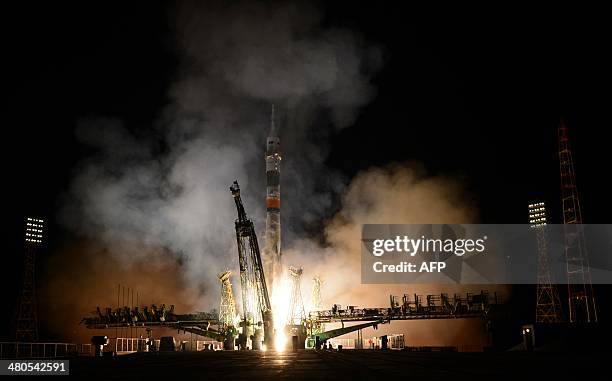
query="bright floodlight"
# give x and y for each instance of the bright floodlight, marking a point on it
(537, 214)
(34, 230)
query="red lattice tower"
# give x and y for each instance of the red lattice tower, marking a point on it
(581, 301)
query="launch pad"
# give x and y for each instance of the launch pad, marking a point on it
(343, 365)
(261, 326)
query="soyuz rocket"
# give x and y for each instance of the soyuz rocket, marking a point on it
(272, 250)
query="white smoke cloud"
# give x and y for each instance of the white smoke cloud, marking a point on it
(397, 194)
(167, 186)
(272, 52)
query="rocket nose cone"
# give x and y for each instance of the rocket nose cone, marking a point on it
(273, 145)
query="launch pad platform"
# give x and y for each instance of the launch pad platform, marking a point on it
(343, 365)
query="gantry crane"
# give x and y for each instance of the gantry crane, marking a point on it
(257, 312)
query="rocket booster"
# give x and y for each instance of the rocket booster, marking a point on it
(273, 159)
(272, 252)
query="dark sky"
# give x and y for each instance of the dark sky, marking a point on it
(470, 95)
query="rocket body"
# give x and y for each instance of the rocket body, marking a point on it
(272, 251)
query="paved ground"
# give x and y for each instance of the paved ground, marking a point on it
(346, 365)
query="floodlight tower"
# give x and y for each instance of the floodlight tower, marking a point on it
(548, 306)
(26, 329)
(581, 300)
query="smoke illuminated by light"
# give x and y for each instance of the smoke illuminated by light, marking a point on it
(147, 210)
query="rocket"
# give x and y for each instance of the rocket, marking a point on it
(272, 250)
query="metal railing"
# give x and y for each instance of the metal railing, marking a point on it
(126, 345)
(129, 344)
(414, 307)
(120, 345)
(43, 350)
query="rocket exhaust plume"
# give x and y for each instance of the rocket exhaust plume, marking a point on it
(272, 250)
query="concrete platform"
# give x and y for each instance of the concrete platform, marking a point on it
(346, 365)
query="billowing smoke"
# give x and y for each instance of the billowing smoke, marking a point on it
(396, 194)
(153, 204)
(164, 189)
(85, 275)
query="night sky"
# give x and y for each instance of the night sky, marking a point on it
(474, 96)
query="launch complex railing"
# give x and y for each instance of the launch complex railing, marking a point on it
(407, 307)
(414, 307)
(44, 350)
(197, 327)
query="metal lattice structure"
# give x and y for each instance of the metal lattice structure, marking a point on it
(296, 315)
(548, 305)
(315, 300)
(415, 307)
(227, 307)
(26, 329)
(256, 306)
(316, 304)
(205, 324)
(581, 301)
